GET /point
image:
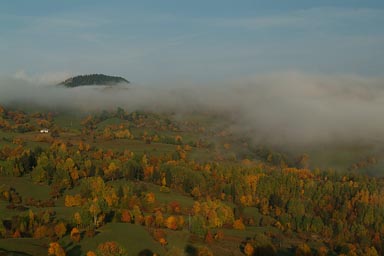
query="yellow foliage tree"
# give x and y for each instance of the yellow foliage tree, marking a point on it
(196, 192)
(71, 201)
(159, 219)
(196, 208)
(110, 171)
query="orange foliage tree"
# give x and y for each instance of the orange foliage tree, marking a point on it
(111, 248)
(75, 235)
(171, 222)
(91, 253)
(126, 216)
(238, 224)
(60, 229)
(55, 250)
(248, 249)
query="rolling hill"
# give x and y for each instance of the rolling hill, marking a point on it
(93, 79)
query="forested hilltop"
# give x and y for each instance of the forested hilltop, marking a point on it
(128, 182)
(93, 79)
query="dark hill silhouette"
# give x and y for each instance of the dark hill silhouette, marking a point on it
(93, 79)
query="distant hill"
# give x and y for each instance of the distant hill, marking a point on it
(93, 79)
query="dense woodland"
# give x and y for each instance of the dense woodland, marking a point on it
(176, 177)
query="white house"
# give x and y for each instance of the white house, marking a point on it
(44, 131)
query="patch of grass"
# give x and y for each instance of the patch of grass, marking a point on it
(248, 232)
(6, 213)
(133, 237)
(6, 138)
(339, 157)
(178, 239)
(166, 198)
(24, 246)
(111, 121)
(135, 146)
(66, 213)
(26, 188)
(69, 121)
(161, 197)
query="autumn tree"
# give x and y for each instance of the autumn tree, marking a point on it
(171, 222)
(159, 234)
(111, 248)
(204, 251)
(77, 219)
(40, 172)
(371, 251)
(137, 215)
(71, 201)
(75, 235)
(91, 253)
(55, 249)
(238, 224)
(148, 220)
(198, 226)
(126, 216)
(259, 245)
(208, 237)
(112, 171)
(40, 232)
(60, 229)
(303, 250)
(159, 219)
(322, 251)
(248, 249)
(95, 210)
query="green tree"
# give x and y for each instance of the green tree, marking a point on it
(198, 226)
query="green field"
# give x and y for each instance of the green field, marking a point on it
(24, 246)
(134, 238)
(26, 188)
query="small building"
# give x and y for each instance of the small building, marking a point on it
(44, 131)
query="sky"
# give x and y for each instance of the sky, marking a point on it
(190, 42)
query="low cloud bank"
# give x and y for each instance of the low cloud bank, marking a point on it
(276, 108)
